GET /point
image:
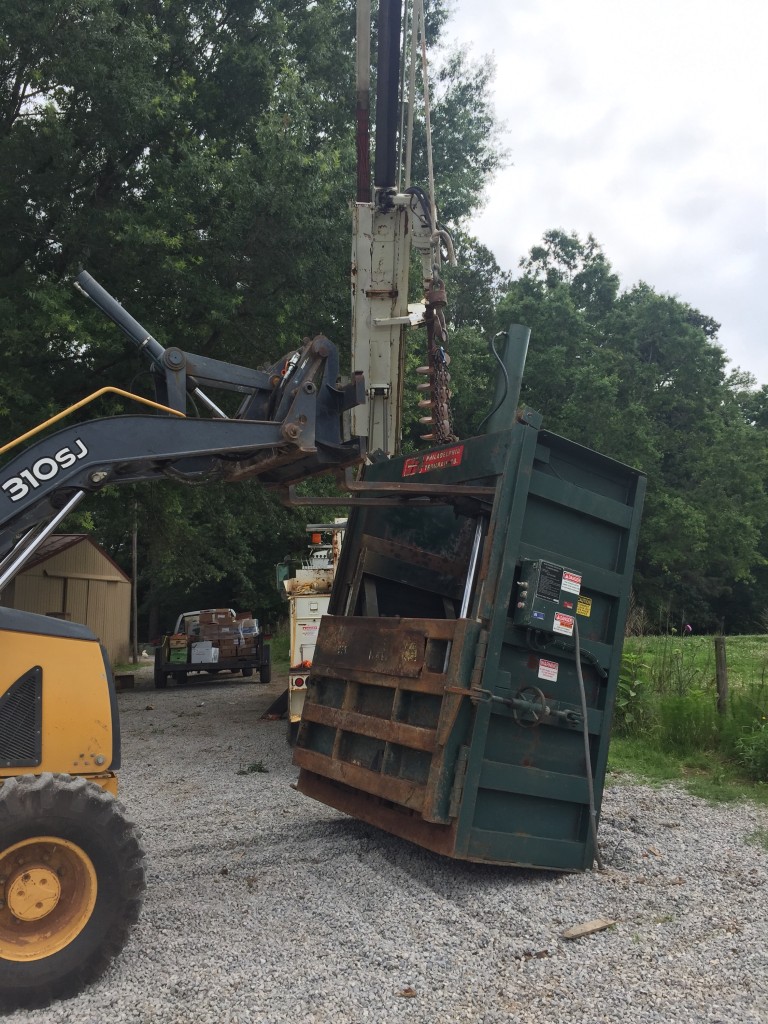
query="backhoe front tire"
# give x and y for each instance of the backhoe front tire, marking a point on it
(71, 886)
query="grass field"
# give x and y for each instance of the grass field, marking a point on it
(667, 725)
(675, 663)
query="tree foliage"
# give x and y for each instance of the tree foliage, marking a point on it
(639, 376)
(197, 158)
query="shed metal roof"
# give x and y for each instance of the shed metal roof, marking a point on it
(59, 542)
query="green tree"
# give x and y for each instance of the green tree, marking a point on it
(197, 158)
(465, 139)
(639, 376)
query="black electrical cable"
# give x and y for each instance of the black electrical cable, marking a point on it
(421, 195)
(500, 361)
(587, 752)
(551, 643)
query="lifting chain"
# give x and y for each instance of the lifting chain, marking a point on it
(437, 394)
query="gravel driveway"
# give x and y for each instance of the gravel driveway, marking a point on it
(264, 906)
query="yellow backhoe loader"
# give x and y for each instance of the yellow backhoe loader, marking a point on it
(71, 863)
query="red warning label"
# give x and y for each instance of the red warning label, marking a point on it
(548, 670)
(434, 460)
(563, 624)
(571, 582)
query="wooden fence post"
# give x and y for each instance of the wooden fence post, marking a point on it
(721, 675)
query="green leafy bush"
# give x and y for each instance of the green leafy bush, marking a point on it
(630, 711)
(752, 752)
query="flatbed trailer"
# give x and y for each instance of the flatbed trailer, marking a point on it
(246, 665)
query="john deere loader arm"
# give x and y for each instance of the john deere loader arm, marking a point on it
(71, 864)
(289, 427)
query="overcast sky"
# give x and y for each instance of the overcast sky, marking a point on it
(646, 123)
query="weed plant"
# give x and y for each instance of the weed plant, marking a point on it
(751, 749)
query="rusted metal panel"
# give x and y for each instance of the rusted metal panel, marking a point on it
(406, 824)
(400, 791)
(377, 728)
(427, 683)
(411, 556)
(367, 645)
(408, 715)
(364, 649)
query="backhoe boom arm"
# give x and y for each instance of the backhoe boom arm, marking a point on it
(289, 427)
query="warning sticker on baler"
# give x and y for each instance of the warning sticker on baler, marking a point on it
(548, 670)
(584, 607)
(563, 624)
(434, 460)
(571, 582)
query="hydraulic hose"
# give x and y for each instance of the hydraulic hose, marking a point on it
(587, 753)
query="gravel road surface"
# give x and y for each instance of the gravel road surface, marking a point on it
(264, 906)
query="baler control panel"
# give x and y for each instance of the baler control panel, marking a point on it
(548, 597)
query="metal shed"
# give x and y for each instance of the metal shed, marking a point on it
(73, 578)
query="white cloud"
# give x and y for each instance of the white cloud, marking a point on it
(644, 122)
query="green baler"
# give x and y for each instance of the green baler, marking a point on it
(445, 702)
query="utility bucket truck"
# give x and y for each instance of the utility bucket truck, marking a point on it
(307, 589)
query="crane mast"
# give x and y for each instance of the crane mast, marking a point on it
(388, 222)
